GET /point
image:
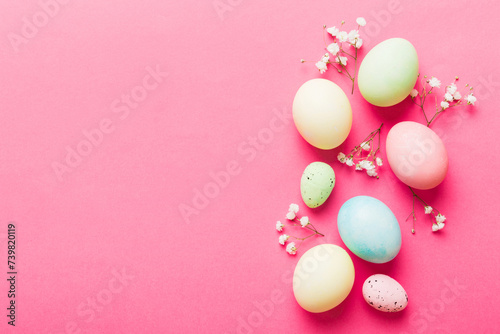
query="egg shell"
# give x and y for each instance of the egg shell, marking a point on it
(384, 293)
(323, 278)
(388, 72)
(317, 183)
(322, 113)
(369, 229)
(416, 155)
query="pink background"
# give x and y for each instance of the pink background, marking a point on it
(228, 75)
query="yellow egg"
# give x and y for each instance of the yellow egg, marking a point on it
(323, 278)
(388, 72)
(322, 113)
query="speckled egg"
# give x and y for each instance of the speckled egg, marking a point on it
(317, 183)
(369, 229)
(384, 293)
(416, 155)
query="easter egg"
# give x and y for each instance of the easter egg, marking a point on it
(388, 72)
(317, 183)
(322, 113)
(323, 278)
(416, 155)
(369, 229)
(384, 293)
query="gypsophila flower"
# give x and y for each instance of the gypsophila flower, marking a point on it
(294, 208)
(341, 157)
(435, 227)
(279, 226)
(361, 21)
(428, 209)
(371, 172)
(358, 167)
(359, 43)
(290, 215)
(365, 164)
(341, 60)
(291, 249)
(471, 99)
(451, 88)
(325, 58)
(448, 97)
(283, 238)
(353, 36)
(349, 162)
(440, 218)
(379, 161)
(342, 36)
(434, 82)
(445, 105)
(304, 221)
(440, 225)
(457, 95)
(414, 92)
(365, 146)
(333, 48)
(333, 31)
(321, 66)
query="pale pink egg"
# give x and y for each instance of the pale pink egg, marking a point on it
(416, 155)
(384, 293)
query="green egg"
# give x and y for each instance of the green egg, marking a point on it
(317, 183)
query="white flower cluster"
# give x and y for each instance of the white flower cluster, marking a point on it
(291, 215)
(439, 224)
(352, 38)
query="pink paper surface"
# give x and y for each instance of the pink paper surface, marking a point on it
(102, 246)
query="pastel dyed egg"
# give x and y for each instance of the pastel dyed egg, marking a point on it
(416, 155)
(323, 278)
(384, 293)
(388, 72)
(322, 113)
(317, 183)
(369, 229)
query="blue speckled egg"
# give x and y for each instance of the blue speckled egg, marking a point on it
(369, 229)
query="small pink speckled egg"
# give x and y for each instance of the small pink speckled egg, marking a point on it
(384, 293)
(416, 155)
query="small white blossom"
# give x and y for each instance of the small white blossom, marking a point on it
(379, 161)
(321, 65)
(294, 208)
(445, 105)
(440, 226)
(349, 162)
(371, 172)
(365, 146)
(304, 221)
(358, 167)
(279, 226)
(341, 60)
(471, 99)
(325, 58)
(440, 218)
(435, 227)
(333, 31)
(291, 249)
(414, 93)
(283, 238)
(361, 21)
(365, 164)
(353, 36)
(342, 36)
(457, 95)
(333, 48)
(359, 43)
(428, 209)
(290, 215)
(448, 97)
(434, 82)
(341, 157)
(451, 89)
